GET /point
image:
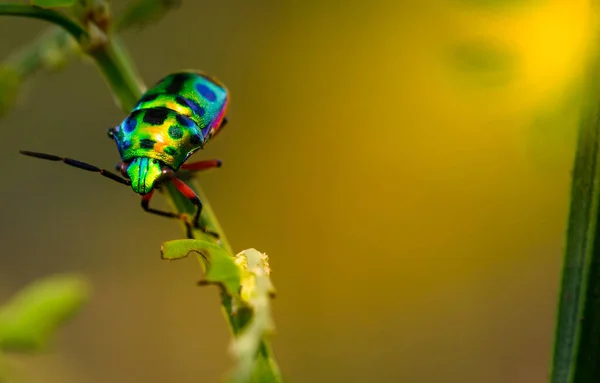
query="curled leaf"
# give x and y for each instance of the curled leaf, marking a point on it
(219, 266)
(31, 317)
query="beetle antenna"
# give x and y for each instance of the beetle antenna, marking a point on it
(78, 164)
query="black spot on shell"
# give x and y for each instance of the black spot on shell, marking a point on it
(175, 132)
(171, 151)
(183, 120)
(193, 105)
(156, 116)
(148, 98)
(147, 143)
(178, 81)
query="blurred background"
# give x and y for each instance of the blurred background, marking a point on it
(405, 164)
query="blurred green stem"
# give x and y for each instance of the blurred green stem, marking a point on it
(577, 340)
(56, 43)
(45, 14)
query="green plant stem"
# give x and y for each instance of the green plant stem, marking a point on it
(181, 204)
(56, 44)
(577, 338)
(50, 15)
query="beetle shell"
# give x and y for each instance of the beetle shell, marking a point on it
(173, 119)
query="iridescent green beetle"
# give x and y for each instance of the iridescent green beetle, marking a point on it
(172, 120)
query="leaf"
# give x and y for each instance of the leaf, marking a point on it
(576, 346)
(219, 266)
(52, 3)
(30, 318)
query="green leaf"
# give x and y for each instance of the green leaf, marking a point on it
(30, 318)
(52, 3)
(576, 345)
(219, 266)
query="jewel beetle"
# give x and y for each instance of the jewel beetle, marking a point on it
(170, 122)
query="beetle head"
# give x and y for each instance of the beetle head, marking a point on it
(145, 173)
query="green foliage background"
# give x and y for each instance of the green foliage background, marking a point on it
(405, 164)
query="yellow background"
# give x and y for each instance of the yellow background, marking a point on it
(405, 165)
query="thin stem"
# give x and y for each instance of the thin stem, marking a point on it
(50, 15)
(56, 44)
(208, 218)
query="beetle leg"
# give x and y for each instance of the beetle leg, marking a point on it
(146, 206)
(193, 197)
(201, 165)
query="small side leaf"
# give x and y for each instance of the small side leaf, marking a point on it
(52, 3)
(30, 318)
(219, 266)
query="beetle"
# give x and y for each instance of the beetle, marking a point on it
(171, 121)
